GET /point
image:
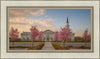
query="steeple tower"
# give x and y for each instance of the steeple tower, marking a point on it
(67, 19)
(67, 23)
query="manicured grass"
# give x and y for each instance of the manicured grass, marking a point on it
(80, 47)
(84, 47)
(55, 41)
(70, 46)
(37, 47)
(25, 42)
(18, 47)
(77, 41)
(74, 41)
(58, 47)
(34, 41)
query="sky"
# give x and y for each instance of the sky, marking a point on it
(52, 19)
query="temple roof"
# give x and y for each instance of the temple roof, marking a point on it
(48, 31)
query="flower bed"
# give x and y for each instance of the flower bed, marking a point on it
(37, 47)
(58, 47)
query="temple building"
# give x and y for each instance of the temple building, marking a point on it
(47, 35)
(67, 28)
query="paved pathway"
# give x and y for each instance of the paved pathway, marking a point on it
(48, 46)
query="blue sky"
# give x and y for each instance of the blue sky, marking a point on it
(78, 18)
(53, 19)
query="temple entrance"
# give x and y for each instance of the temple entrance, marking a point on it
(48, 35)
(48, 38)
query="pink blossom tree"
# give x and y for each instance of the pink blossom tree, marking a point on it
(86, 36)
(14, 35)
(56, 36)
(40, 36)
(64, 35)
(89, 37)
(34, 33)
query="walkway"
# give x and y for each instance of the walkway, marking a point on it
(48, 46)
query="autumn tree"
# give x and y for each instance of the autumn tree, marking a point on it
(34, 33)
(56, 36)
(40, 36)
(14, 35)
(64, 35)
(89, 37)
(86, 36)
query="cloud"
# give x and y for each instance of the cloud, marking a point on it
(35, 12)
(78, 33)
(25, 24)
(20, 16)
(43, 24)
(25, 12)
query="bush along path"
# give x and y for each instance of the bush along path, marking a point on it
(48, 46)
(58, 47)
(37, 47)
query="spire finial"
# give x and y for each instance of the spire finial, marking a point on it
(67, 15)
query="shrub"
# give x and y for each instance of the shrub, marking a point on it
(70, 46)
(22, 46)
(58, 47)
(82, 47)
(37, 47)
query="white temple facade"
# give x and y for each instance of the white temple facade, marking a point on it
(47, 35)
(25, 36)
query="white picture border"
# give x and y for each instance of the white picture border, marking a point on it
(95, 54)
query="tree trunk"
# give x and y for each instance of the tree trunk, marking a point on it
(13, 44)
(86, 43)
(32, 43)
(64, 44)
(56, 41)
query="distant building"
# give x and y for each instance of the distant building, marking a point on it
(48, 35)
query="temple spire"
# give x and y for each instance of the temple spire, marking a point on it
(67, 19)
(67, 23)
